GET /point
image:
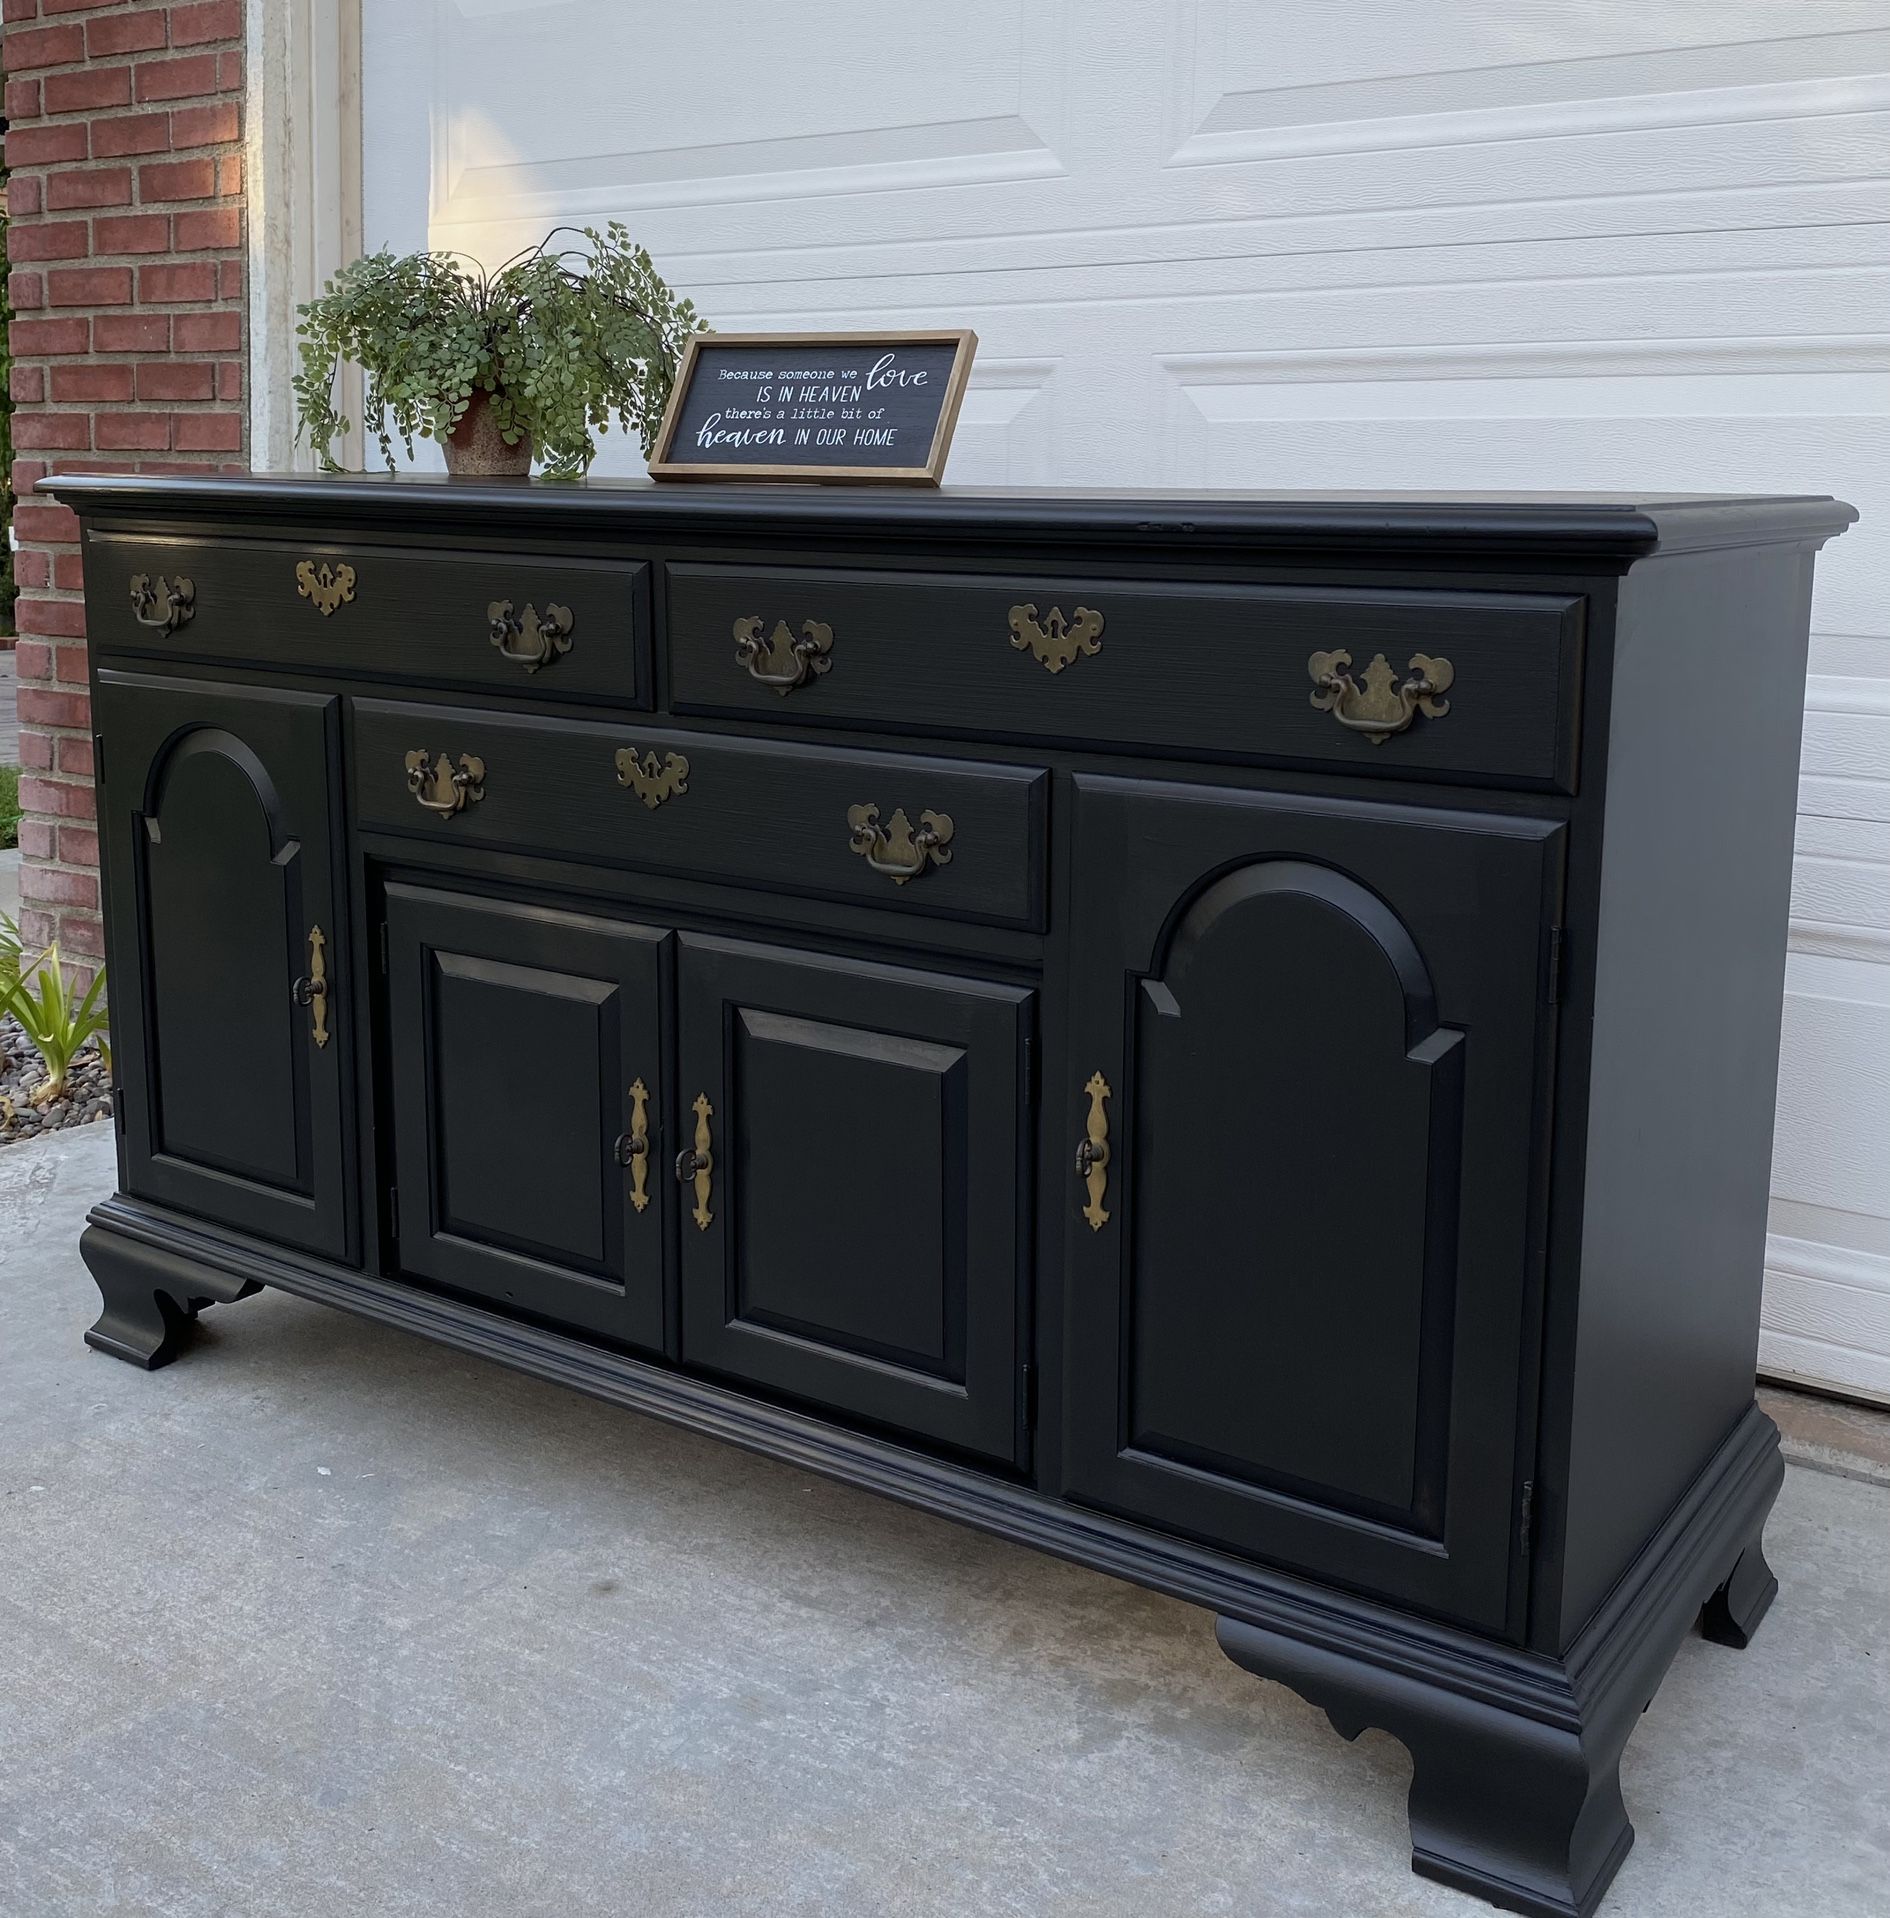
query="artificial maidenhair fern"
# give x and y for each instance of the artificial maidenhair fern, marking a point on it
(563, 339)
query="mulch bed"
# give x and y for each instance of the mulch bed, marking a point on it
(87, 1097)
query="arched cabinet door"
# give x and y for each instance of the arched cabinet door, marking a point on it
(1298, 1288)
(228, 1012)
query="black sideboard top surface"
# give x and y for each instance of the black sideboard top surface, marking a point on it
(1188, 1030)
(1604, 527)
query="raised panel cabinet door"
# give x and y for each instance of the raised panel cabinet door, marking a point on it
(228, 953)
(1310, 1039)
(857, 1239)
(528, 1083)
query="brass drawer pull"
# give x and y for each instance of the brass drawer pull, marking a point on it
(1057, 641)
(633, 1147)
(781, 661)
(177, 598)
(651, 779)
(547, 635)
(696, 1162)
(440, 787)
(1379, 708)
(895, 849)
(311, 989)
(1092, 1155)
(326, 586)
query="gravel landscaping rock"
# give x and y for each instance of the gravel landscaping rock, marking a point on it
(88, 1093)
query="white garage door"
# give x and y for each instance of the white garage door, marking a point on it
(1465, 243)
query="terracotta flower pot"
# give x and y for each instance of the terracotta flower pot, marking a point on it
(475, 447)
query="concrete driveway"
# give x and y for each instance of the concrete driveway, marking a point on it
(324, 1620)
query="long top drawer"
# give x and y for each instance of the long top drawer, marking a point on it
(1205, 669)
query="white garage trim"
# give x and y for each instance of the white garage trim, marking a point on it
(302, 165)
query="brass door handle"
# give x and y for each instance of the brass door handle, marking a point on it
(1381, 706)
(633, 1147)
(547, 635)
(178, 598)
(311, 989)
(697, 1163)
(1056, 641)
(443, 788)
(781, 661)
(325, 587)
(895, 848)
(1092, 1155)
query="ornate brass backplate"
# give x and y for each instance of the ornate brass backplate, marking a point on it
(1380, 707)
(311, 989)
(1092, 1154)
(633, 1148)
(895, 848)
(696, 1163)
(651, 779)
(781, 661)
(162, 604)
(443, 788)
(530, 639)
(1057, 641)
(327, 586)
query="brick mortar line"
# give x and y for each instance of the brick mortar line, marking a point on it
(125, 109)
(131, 57)
(116, 354)
(105, 162)
(197, 150)
(127, 63)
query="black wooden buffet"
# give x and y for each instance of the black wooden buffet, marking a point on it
(1228, 1037)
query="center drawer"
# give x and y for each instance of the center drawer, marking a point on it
(1206, 669)
(515, 622)
(958, 838)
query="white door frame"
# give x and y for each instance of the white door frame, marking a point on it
(302, 171)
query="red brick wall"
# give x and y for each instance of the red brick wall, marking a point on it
(126, 244)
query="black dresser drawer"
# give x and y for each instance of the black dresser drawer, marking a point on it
(954, 837)
(526, 623)
(1206, 669)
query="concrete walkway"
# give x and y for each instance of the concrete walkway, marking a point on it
(326, 1620)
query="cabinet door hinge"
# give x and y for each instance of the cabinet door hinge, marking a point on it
(98, 759)
(393, 1213)
(1030, 1397)
(383, 948)
(1526, 1525)
(1553, 967)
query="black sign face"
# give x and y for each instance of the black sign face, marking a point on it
(838, 406)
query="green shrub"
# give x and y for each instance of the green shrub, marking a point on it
(9, 806)
(40, 998)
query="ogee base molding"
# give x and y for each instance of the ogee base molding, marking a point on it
(1515, 1792)
(150, 1296)
(1515, 1759)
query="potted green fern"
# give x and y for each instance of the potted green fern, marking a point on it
(498, 365)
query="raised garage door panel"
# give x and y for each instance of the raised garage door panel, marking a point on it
(1375, 246)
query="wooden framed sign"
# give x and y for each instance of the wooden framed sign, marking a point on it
(814, 406)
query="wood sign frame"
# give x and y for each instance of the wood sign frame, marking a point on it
(670, 462)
